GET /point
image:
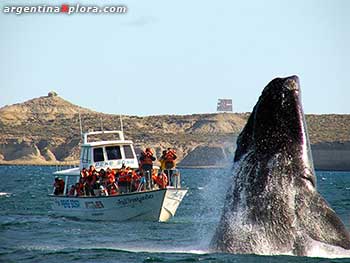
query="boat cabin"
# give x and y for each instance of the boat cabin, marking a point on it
(110, 153)
(113, 153)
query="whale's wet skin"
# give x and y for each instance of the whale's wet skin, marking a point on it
(273, 206)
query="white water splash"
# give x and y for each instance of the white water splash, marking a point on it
(133, 249)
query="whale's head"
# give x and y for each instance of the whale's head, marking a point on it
(277, 128)
(273, 206)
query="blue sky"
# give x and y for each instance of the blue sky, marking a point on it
(178, 57)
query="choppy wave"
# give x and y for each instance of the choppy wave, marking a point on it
(29, 234)
(318, 252)
(114, 254)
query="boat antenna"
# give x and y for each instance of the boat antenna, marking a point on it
(101, 124)
(120, 116)
(121, 122)
(80, 125)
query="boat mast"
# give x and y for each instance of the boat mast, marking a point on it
(101, 124)
(120, 117)
(80, 125)
(121, 122)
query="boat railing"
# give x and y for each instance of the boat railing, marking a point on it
(87, 134)
(146, 183)
(174, 177)
(63, 166)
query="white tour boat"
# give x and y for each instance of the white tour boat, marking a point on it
(151, 204)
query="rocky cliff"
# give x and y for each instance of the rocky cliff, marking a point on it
(46, 130)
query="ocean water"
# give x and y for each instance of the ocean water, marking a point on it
(29, 234)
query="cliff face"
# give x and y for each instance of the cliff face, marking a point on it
(46, 130)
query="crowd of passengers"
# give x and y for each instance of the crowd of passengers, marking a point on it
(124, 180)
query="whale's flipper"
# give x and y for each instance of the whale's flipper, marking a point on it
(320, 222)
(273, 206)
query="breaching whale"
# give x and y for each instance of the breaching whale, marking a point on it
(272, 206)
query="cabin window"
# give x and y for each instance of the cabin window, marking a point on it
(113, 152)
(85, 155)
(98, 155)
(128, 152)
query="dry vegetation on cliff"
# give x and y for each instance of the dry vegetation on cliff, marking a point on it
(46, 130)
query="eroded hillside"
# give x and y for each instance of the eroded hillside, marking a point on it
(46, 130)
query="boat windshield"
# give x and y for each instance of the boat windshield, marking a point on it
(113, 152)
(128, 152)
(98, 155)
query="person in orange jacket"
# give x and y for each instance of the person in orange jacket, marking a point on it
(170, 157)
(59, 186)
(161, 180)
(135, 180)
(170, 163)
(146, 163)
(79, 189)
(110, 180)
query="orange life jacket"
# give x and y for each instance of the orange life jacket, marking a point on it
(162, 182)
(147, 158)
(71, 191)
(79, 189)
(113, 191)
(111, 178)
(125, 176)
(59, 185)
(91, 171)
(135, 176)
(170, 156)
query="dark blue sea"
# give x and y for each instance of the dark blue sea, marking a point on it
(29, 234)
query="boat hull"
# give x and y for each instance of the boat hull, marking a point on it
(156, 205)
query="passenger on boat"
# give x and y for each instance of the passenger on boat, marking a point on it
(79, 189)
(118, 172)
(59, 186)
(110, 172)
(114, 190)
(124, 181)
(71, 190)
(101, 176)
(84, 173)
(92, 169)
(162, 161)
(142, 184)
(170, 164)
(111, 183)
(146, 162)
(82, 182)
(95, 183)
(90, 182)
(161, 180)
(135, 180)
(101, 179)
(87, 181)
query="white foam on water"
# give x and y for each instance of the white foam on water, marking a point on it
(132, 249)
(316, 250)
(157, 250)
(5, 194)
